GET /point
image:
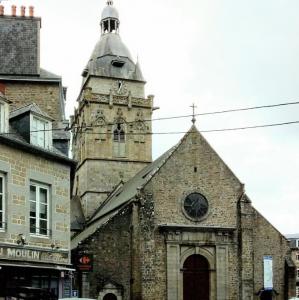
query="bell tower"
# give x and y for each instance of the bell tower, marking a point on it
(112, 124)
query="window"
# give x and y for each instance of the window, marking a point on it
(2, 117)
(297, 291)
(297, 273)
(119, 139)
(39, 209)
(297, 256)
(297, 243)
(2, 202)
(41, 133)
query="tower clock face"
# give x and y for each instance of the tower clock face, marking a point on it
(196, 206)
(120, 87)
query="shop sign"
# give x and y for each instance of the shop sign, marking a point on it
(14, 253)
(85, 262)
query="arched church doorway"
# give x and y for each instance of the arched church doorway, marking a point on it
(196, 278)
(110, 296)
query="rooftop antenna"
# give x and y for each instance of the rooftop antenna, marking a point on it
(193, 113)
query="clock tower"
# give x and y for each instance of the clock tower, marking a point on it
(112, 124)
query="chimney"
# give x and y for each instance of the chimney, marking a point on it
(1, 10)
(31, 11)
(13, 10)
(23, 11)
(2, 88)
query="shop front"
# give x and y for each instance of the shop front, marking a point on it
(27, 273)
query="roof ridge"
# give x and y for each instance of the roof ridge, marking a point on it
(130, 189)
(32, 107)
(175, 147)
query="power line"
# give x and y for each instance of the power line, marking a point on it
(180, 132)
(205, 131)
(186, 116)
(207, 113)
(228, 111)
(183, 132)
(252, 127)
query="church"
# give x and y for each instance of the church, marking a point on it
(178, 228)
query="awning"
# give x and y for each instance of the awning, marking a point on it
(37, 266)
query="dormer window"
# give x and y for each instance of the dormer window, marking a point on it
(117, 63)
(41, 134)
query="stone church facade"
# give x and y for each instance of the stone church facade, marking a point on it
(178, 228)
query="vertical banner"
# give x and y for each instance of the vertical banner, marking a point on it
(268, 273)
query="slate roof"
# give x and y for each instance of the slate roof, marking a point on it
(124, 194)
(29, 108)
(108, 49)
(13, 139)
(43, 76)
(292, 236)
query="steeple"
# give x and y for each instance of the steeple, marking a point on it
(112, 104)
(110, 19)
(110, 57)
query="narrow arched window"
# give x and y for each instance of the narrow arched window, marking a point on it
(119, 140)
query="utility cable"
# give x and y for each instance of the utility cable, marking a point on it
(185, 116)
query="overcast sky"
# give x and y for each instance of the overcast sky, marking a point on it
(219, 54)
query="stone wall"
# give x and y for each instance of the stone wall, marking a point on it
(19, 169)
(45, 95)
(195, 167)
(111, 247)
(234, 242)
(100, 118)
(104, 85)
(100, 169)
(95, 179)
(270, 242)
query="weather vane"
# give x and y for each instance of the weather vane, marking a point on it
(193, 113)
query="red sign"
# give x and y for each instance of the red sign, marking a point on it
(85, 262)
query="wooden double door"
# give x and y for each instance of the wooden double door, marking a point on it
(196, 278)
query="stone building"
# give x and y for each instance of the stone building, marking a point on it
(22, 80)
(181, 227)
(294, 243)
(35, 171)
(35, 181)
(109, 128)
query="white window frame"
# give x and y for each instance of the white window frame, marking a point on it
(38, 134)
(2, 117)
(297, 291)
(38, 187)
(3, 194)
